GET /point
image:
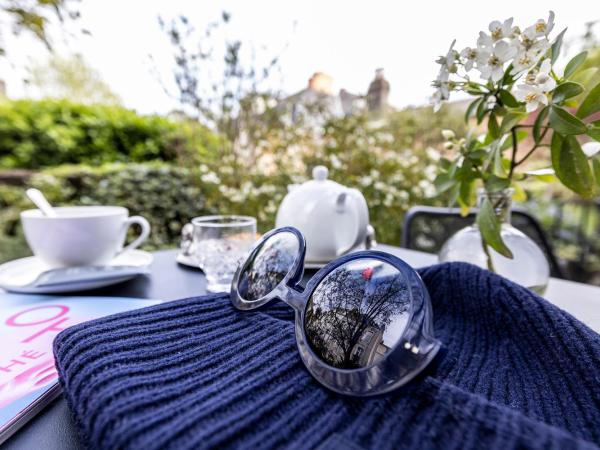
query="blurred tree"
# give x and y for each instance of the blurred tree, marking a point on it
(590, 39)
(33, 16)
(70, 78)
(224, 87)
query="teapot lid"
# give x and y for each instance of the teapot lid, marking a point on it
(318, 184)
(320, 181)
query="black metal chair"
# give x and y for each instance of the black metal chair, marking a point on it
(427, 228)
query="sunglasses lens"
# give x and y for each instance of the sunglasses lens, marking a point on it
(269, 265)
(357, 313)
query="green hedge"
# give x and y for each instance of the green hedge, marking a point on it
(167, 195)
(36, 134)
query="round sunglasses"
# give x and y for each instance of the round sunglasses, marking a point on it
(363, 322)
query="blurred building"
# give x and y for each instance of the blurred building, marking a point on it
(378, 93)
(318, 99)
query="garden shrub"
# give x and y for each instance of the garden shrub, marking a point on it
(43, 133)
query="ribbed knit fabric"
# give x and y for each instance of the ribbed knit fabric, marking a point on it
(516, 372)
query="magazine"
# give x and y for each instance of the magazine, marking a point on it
(28, 325)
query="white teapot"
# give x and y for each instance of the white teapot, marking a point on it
(333, 218)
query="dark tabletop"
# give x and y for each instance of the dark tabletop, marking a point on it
(54, 428)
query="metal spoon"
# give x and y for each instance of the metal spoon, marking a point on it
(36, 196)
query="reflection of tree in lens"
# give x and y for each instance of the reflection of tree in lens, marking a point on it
(270, 265)
(353, 311)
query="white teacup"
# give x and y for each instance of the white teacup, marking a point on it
(81, 235)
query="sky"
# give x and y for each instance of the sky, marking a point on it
(346, 39)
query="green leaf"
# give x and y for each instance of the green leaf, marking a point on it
(481, 110)
(489, 226)
(471, 109)
(498, 165)
(495, 184)
(510, 120)
(508, 99)
(590, 104)
(452, 169)
(564, 122)
(478, 153)
(539, 122)
(556, 46)
(596, 168)
(453, 195)
(500, 110)
(493, 128)
(466, 195)
(443, 182)
(566, 90)
(594, 132)
(546, 175)
(571, 165)
(465, 172)
(520, 195)
(574, 64)
(584, 76)
(508, 79)
(445, 164)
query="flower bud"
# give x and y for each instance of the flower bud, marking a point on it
(448, 145)
(541, 78)
(448, 134)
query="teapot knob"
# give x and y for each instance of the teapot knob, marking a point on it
(320, 173)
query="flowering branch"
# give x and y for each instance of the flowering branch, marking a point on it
(512, 76)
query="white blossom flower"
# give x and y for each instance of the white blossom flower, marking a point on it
(499, 30)
(210, 177)
(514, 33)
(541, 27)
(525, 60)
(532, 95)
(492, 58)
(442, 83)
(470, 57)
(543, 78)
(450, 58)
(433, 154)
(530, 77)
(442, 92)
(448, 134)
(484, 40)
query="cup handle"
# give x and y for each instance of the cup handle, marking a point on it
(144, 225)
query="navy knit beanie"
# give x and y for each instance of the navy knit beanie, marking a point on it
(516, 372)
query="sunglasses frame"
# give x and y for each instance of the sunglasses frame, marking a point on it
(410, 355)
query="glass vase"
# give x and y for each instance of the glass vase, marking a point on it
(528, 267)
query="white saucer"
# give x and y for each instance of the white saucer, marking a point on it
(32, 276)
(186, 260)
